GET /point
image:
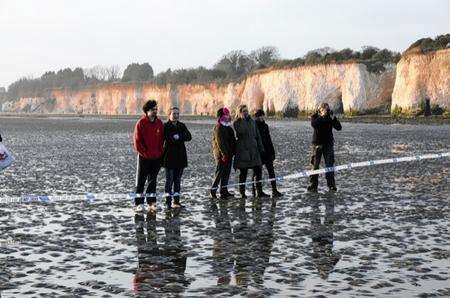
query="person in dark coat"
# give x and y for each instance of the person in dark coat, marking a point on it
(223, 147)
(1, 138)
(174, 155)
(248, 150)
(268, 156)
(323, 123)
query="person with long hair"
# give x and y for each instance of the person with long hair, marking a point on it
(248, 150)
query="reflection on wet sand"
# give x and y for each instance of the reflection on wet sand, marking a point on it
(322, 236)
(390, 224)
(161, 266)
(242, 242)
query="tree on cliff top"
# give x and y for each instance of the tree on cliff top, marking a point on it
(235, 64)
(265, 56)
(428, 44)
(101, 73)
(200, 75)
(368, 52)
(136, 72)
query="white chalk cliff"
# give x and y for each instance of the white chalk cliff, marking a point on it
(421, 76)
(347, 86)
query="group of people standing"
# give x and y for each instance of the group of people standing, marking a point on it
(157, 145)
(247, 142)
(244, 144)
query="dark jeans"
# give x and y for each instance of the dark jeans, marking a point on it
(147, 169)
(173, 180)
(271, 172)
(257, 175)
(327, 150)
(222, 176)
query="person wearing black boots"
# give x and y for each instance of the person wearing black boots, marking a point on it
(248, 150)
(223, 148)
(174, 156)
(268, 156)
(323, 123)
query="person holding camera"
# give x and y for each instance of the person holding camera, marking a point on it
(323, 123)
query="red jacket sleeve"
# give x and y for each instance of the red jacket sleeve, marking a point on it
(161, 140)
(138, 141)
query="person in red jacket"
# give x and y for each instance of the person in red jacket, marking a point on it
(148, 143)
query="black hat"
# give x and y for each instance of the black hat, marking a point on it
(259, 113)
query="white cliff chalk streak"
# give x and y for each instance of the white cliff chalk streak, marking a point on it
(91, 197)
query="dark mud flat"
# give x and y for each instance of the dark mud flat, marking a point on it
(384, 233)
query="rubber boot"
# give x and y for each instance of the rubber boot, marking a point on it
(169, 202)
(176, 201)
(259, 191)
(275, 192)
(242, 191)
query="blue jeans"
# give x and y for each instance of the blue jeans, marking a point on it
(173, 180)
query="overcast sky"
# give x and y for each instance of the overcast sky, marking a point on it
(41, 35)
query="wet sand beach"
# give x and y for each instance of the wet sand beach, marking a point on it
(385, 232)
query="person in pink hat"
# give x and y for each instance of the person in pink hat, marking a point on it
(223, 148)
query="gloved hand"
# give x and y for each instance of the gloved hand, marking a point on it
(225, 159)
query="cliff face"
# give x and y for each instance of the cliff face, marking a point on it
(421, 76)
(349, 86)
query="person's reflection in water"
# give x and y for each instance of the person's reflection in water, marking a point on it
(263, 235)
(322, 236)
(243, 246)
(242, 251)
(222, 244)
(161, 267)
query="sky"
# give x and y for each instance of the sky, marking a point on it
(41, 35)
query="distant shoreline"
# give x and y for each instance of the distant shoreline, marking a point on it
(380, 119)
